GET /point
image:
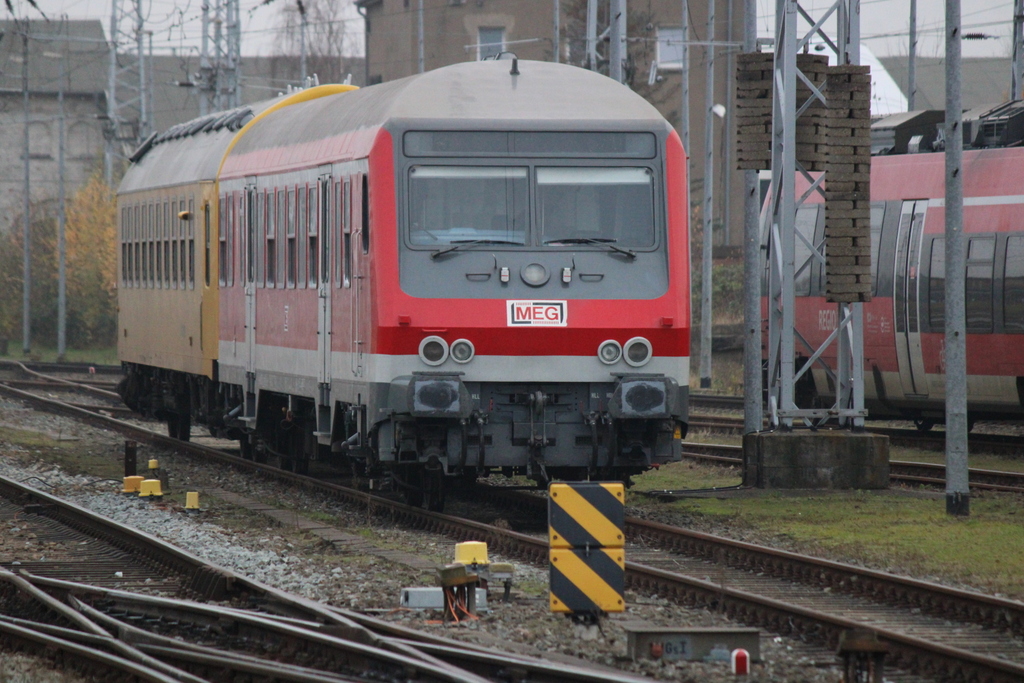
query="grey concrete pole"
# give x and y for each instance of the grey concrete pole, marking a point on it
(617, 10)
(684, 67)
(62, 298)
(111, 141)
(419, 36)
(26, 289)
(727, 143)
(302, 46)
(709, 201)
(558, 31)
(1016, 86)
(753, 409)
(140, 45)
(912, 59)
(957, 492)
(204, 62)
(592, 35)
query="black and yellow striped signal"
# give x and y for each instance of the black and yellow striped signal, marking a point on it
(585, 521)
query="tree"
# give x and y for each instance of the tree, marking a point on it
(91, 262)
(327, 36)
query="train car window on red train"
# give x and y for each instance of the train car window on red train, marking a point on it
(338, 207)
(1013, 286)
(301, 229)
(326, 229)
(877, 216)
(806, 221)
(292, 257)
(365, 227)
(271, 238)
(313, 255)
(222, 237)
(346, 234)
(978, 296)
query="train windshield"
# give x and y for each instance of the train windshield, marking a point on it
(455, 204)
(613, 205)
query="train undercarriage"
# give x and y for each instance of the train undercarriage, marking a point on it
(437, 432)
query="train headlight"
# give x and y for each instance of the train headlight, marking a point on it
(433, 350)
(638, 351)
(462, 351)
(609, 352)
(534, 274)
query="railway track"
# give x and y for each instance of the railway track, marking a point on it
(925, 625)
(218, 631)
(900, 471)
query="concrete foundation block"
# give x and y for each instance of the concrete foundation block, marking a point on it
(824, 459)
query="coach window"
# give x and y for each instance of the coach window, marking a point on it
(877, 215)
(271, 235)
(176, 223)
(301, 228)
(937, 286)
(365, 227)
(313, 223)
(292, 256)
(1013, 286)
(338, 206)
(327, 230)
(167, 245)
(207, 245)
(346, 234)
(124, 247)
(222, 242)
(978, 297)
(191, 243)
(137, 245)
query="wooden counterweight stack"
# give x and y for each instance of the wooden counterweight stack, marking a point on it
(835, 138)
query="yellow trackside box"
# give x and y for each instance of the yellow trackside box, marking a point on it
(586, 514)
(587, 559)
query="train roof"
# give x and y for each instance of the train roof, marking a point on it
(188, 152)
(466, 96)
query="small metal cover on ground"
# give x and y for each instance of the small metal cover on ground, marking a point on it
(588, 581)
(690, 644)
(586, 514)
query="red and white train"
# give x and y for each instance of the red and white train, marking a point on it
(483, 267)
(904, 321)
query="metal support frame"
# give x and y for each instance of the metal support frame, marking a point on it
(129, 105)
(1016, 85)
(784, 340)
(219, 80)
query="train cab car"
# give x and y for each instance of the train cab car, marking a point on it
(480, 268)
(904, 322)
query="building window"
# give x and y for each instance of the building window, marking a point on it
(490, 41)
(670, 48)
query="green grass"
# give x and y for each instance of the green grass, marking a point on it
(909, 533)
(100, 356)
(73, 456)
(687, 474)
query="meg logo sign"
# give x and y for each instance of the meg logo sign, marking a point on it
(539, 313)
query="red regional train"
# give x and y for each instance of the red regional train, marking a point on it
(480, 268)
(904, 322)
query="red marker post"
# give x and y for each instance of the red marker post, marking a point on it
(740, 662)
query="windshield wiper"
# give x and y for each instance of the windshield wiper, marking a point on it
(462, 244)
(599, 241)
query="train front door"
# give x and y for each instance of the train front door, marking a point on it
(907, 299)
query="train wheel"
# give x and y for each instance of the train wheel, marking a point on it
(172, 426)
(184, 428)
(246, 448)
(924, 424)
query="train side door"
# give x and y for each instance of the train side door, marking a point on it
(327, 235)
(249, 274)
(906, 298)
(360, 218)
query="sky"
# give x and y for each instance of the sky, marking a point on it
(884, 23)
